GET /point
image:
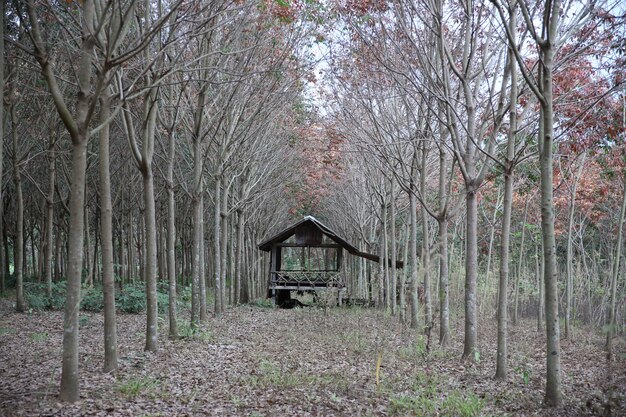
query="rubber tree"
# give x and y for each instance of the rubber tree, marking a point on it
(76, 119)
(547, 35)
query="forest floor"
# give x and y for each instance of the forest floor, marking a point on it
(257, 361)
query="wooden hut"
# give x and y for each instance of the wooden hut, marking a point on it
(308, 256)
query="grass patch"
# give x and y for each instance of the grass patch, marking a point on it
(468, 405)
(427, 399)
(134, 386)
(270, 374)
(355, 341)
(415, 350)
(185, 331)
(416, 405)
(263, 303)
(6, 330)
(39, 337)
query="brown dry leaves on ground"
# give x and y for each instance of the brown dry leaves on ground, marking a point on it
(263, 362)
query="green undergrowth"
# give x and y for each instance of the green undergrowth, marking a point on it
(135, 386)
(130, 299)
(424, 395)
(270, 374)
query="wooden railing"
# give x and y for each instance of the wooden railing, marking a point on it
(307, 279)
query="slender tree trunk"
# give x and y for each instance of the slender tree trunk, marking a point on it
(539, 267)
(505, 239)
(394, 254)
(224, 244)
(413, 260)
(553, 349)
(88, 247)
(4, 261)
(615, 276)
(219, 303)
(18, 260)
(428, 312)
(171, 239)
(106, 233)
(518, 276)
(382, 300)
(243, 294)
(150, 259)
(569, 261)
(50, 216)
(203, 287)
(442, 222)
(197, 236)
(471, 273)
(403, 275)
(386, 260)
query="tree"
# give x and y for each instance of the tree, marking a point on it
(548, 36)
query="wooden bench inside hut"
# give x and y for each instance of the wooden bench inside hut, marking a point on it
(308, 256)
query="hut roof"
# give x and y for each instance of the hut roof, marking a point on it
(291, 230)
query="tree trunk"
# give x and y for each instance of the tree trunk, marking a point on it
(150, 261)
(69, 373)
(50, 216)
(203, 287)
(382, 300)
(171, 238)
(394, 254)
(197, 236)
(518, 276)
(569, 260)
(219, 302)
(413, 260)
(4, 261)
(88, 247)
(18, 257)
(539, 268)
(442, 222)
(615, 276)
(243, 296)
(471, 258)
(428, 312)
(106, 235)
(223, 237)
(553, 349)
(403, 275)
